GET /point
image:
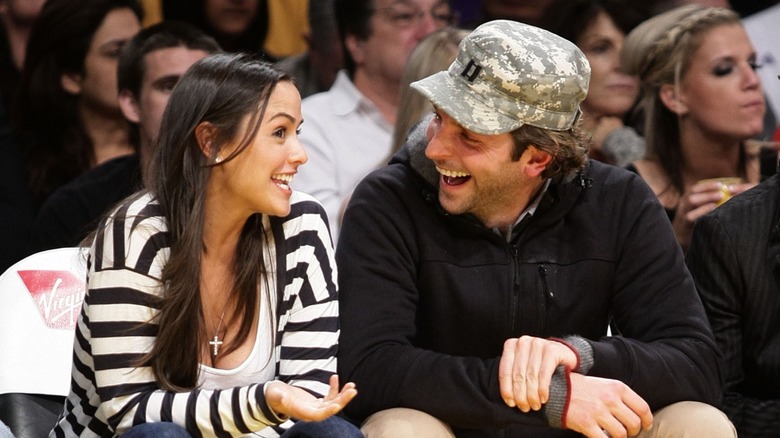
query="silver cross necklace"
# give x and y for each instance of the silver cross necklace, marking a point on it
(216, 342)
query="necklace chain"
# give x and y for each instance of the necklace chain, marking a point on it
(216, 342)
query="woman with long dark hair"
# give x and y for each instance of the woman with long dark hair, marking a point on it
(67, 114)
(212, 296)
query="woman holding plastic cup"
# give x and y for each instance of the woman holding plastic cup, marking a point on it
(702, 101)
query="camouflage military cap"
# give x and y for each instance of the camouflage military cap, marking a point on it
(508, 74)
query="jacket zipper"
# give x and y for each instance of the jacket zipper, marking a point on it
(516, 288)
(547, 296)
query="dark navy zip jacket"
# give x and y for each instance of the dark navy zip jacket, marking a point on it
(428, 299)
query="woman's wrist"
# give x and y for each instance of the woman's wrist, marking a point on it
(271, 413)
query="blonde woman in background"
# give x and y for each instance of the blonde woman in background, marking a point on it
(703, 101)
(434, 54)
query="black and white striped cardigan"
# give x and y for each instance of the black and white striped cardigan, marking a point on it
(109, 395)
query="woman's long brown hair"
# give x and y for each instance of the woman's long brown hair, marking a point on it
(220, 89)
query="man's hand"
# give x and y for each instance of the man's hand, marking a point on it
(526, 368)
(288, 400)
(601, 408)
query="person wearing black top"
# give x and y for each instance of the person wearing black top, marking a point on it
(734, 258)
(149, 67)
(16, 204)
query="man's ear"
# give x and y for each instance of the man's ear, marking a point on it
(672, 100)
(206, 134)
(356, 50)
(129, 106)
(536, 160)
(71, 83)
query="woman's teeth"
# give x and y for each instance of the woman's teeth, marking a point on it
(282, 180)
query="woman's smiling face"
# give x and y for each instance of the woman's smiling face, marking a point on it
(258, 179)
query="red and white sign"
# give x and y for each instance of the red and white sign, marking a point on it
(57, 295)
(40, 302)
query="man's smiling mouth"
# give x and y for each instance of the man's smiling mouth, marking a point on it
(452, 177)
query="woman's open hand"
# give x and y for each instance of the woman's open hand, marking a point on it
(287, 400)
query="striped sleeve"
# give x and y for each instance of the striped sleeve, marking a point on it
(308, 327)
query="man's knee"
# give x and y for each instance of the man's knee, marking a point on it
(405, 423)
(690, 420)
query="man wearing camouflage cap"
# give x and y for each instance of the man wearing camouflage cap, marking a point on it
(479, 271)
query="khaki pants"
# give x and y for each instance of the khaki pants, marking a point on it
(679, 420)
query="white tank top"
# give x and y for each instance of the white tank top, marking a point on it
(260, 366)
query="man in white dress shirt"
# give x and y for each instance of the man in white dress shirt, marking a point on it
(348, 130)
